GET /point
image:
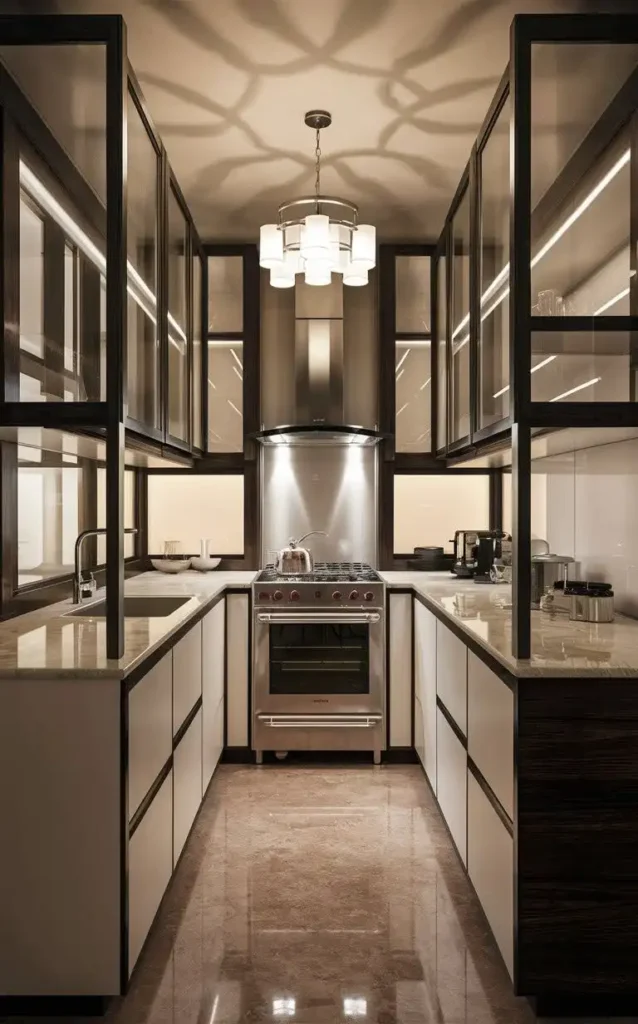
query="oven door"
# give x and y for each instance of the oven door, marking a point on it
(319, 662)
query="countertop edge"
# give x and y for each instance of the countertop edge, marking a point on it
(480, 648)
(121, 675)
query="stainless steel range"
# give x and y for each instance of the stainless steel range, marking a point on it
(319, 660)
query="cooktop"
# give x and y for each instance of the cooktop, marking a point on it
(324, 572)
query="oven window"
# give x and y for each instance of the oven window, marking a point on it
(319, 658)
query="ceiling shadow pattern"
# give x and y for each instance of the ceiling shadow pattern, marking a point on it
(402, 179)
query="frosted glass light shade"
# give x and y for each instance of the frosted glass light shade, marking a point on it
(292, 261)
(315, 237)
(271, 246)
(364, 246)
(355, 276)
(318, 272)
(339, 257)
(282, 275)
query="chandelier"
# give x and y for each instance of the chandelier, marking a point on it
(317, 236)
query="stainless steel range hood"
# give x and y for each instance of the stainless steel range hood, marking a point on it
(319, 414)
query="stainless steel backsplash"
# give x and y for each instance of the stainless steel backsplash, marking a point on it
(321, 488)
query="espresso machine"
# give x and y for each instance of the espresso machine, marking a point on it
(476, 550)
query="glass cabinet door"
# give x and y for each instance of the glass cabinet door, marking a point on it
(460, 340)
(494, 349)
(143, 357)
(581, 271)
(196, 402)
(441, 352)
(413, 388)
(178, 383)
(225, 388)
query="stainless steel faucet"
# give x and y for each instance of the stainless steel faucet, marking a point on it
(84, 583)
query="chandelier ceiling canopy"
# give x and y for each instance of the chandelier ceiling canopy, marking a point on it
(318, 235)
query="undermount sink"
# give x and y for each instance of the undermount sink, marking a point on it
(134, 607)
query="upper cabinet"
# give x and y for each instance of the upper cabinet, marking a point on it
(459, 263)
(225, 384)
(494, 351)
(581, 268)
(536, 269)
(406, 327)
(178, 356)
(143, 356)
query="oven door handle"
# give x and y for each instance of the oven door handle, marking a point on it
(361, 721)
(327, 618)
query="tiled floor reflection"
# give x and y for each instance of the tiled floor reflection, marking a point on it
(318, 896)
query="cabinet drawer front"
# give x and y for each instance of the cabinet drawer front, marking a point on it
(150, 865)
(187, 783)
(150, 738)
(212, 741)
(400, 639)
(451, 674)
(425, 683)
(490, 730)
(213, 642)
(187, 675)
(237, 667)
(451, 777)
(490, 865)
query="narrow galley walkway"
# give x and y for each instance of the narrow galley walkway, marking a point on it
(318, 896)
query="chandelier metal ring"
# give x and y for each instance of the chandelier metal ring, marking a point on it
(317, 235)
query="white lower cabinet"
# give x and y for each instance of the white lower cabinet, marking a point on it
(451, 674)
(490, 865)
(150, 866)
(419, 731)
(452, 782)
(187, 783)
(187, 675)
(213, 660)
(237, 668)
(490, 730)
(425, 684)
(400, 641)
(150, 732)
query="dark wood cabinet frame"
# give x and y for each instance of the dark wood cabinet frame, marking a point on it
(392, 462)
(527, 418)
(21, 125)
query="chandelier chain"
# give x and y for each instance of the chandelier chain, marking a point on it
(317, 165)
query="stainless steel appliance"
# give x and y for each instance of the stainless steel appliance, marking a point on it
(294, 558)
(476, 550)
(546, 570)
(590, 602)
(319, 660)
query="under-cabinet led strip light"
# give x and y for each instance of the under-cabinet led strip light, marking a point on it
(141, 293)
(502, 276)
(579, 387)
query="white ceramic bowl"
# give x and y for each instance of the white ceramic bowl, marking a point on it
(205, 564)
(171, 564)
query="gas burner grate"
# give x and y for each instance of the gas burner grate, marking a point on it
(326, 572)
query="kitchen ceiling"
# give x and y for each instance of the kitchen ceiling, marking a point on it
(408, 83)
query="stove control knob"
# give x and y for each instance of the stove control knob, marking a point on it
(294, 595)
(354, 595)
(264, 595)
(278, 595)
(369, 596)
(337, 595)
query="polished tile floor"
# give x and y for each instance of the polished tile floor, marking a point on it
(316, 896)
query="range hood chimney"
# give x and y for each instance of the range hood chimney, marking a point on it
(319, 414)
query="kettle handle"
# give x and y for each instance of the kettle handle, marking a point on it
(313, 533)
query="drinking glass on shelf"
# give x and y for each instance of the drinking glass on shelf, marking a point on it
(547, 302)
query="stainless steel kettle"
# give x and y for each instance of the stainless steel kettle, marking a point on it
(295, 559)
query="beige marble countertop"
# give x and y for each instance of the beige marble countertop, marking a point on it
(47, 643)
(559, 647)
